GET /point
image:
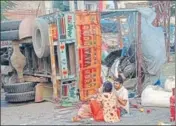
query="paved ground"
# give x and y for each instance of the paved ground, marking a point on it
(45, 113)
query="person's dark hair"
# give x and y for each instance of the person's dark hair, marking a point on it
(119, 79)
(107, 86)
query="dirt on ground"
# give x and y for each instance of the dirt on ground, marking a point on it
(46, 113)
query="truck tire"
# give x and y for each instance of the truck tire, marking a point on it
(40, 38)
(9, 35)
(129, 70)
(19, 87)
(20, 97)
(10, 25)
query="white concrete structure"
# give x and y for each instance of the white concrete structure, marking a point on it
(91, 5)
(48, 7)
(80, 5)
(87, 5)
(72, 5)
(172, 20)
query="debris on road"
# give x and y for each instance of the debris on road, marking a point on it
(141, 110)
(149, 111)
(135, 106)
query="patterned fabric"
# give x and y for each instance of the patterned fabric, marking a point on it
(122, 93)
(109, 102)
(85, 111)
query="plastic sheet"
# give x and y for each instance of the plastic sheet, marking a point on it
(104, 55)
(104, 72)
(153, 42)
(114, 68)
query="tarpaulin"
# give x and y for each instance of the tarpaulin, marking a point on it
(153, 42)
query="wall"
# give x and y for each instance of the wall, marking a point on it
(24, 9)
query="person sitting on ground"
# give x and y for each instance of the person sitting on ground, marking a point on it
(109, 103)
(108, 106)
(122, 96)
(121, 93)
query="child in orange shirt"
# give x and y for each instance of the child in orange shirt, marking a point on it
(107, 99)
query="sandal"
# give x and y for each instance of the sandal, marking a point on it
(76, 119)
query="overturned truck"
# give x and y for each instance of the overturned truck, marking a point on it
(47, 56)
(36, 59)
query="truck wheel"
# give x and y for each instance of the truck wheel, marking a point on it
(10, 35)
(40, 38)
(19, 87)
(10, 25)
(20, 97)
(112, 56)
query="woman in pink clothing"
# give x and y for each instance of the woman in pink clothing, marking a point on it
(122, 96)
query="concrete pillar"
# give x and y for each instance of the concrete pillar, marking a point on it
(81, 5)
(72, 5)
(48, 7)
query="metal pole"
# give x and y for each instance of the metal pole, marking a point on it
(139, 57)
(115, 4)
(175, 55)
(72, 5)
(168, 41)
(80, 5)
(165, 35)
